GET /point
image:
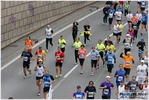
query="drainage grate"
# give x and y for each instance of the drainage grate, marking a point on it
(13, 45)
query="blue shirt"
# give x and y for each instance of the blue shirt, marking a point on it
(113, 10)
(94, 55)
(121, 10)
(78, 95)
(144, 17)
(121, 75)
(110, 58)
(143, 4)
(46, 80)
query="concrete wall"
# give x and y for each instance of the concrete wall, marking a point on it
(18, 19)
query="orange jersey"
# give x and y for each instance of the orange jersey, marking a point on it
(128, 61)
(134, 19)
(29, 43)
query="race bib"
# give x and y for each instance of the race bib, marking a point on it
(81, 56)
(46, 84)
(78, 96)
(39, 74)
(120, 78)
(25, 58)
(77, 47)
(106, 91)
(39, 56)
(134, 27)
(110, 58)
(133, 87)
(127, 63)
(90, 94)
(57, 57)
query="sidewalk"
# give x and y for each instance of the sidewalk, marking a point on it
(14, 50)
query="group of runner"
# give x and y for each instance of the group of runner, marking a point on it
(104, 51)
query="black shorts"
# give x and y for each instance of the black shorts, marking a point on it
(139, 22)
(115, 34)
(93, 63)
(120, 34)
(38, 78)
(58, 64)
(110, 20)
(118, 20)
(81, 61)
(46, 89)
(105, 97)
(144, 23)
(26, 65)
(129, 21)
(63, 49)
(101, 54)
(139, 3)
(127, 71)
(142, 9)
(38, 63)
(110, 66)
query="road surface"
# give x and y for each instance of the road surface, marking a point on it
(14, 85)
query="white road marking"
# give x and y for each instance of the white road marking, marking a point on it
(6, 65)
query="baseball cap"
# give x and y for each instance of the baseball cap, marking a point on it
(40, 60)
(127, 35)
(122, 81)
(78, 87)
(142, 61)
(108, 77)
(142, 39)
(133, 76)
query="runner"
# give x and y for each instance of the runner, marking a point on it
(40, 54)
(110, 17)
(115, 32)
(115, 4)
(109, 3)
(94, 58)
(142, 4)
(48, 33)
(133, 86)
(141, 44)
(118, 15)
(29, 43)
(106, 86)
(110, 46)
(59, 58)
(111, 59)
(40, 68)
(121, 8)
(135, 28)
(126, 93)
(127, 43)
(74, 30)
(139, 5)
(120, 31)
(141, 73)
(79, 94)
(86, 33)
(134, 19)
(77, 44)
(120, 75)
(27, 57)
(128, 63)
(139, 17)
(131, 34)
(129, 17)
(82, 55)
(101, 48)
(105, 12)
(144, 22)
(108, 39)
(145, 58)
(121, 3)
(145, 90)
(62, 43)
(126, 8)
(48, 80)
(120, 90)
(90, 90)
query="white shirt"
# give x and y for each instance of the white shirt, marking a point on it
(39, 71)
(146, 59)
(129, 16)
(118, 15)
(111, 15)
(139, 16)
(142, 70)
(121, 90)
(48, 32)
(115, 28)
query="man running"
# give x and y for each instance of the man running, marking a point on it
(120, 31)
(86, 28)
(106, 87)
(29, 43)
(59, 58)
(143, 4)
(144, 22)
(141, 72)
(78, 94)
(111, 59)
(135, 28)
(62, 43)
(128, 63)
(94, 58)
(141, 44)
(105, 12)
(127, 43)
(48, 33)
(126, 8)
(27, 56)
(48, 80)
(129, 17)
(101, 48)
(40, 68)
(108, 39)
(110, 46)
(118, 15)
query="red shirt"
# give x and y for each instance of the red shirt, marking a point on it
(59, 54)
(39, 54)
(121, 3)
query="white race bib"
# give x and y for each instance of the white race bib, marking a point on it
(81, 56)
(25, 58)
(90, 94)
(127, 63)
(120, 78)
(106, 91)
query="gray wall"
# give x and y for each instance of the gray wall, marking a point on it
(24, 23)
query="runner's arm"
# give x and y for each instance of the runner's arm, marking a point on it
(35, 69)
(115, 74)
(121, 55)
(21, 56)
(53, 80)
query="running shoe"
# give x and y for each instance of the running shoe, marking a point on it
(30, 72)
(46, 50)
(60, 75)
(38, 94)
(56, 76)
(24, 77)
(92, 74)
(81, 72)
(76, 63)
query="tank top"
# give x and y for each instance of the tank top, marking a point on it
(127, 43)
(111, 15)
(39, 71)
(146, 59)
(121, 90)
(115, 29)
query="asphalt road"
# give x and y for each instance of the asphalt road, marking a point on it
(14, 85)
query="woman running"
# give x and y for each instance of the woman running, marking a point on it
(77, 44)
(131, 33)
(129, 16)
(82, 55)
(62, 43)
(111, 14)
(115, 32)
(29, 43)
(139, 17)
(74, 30)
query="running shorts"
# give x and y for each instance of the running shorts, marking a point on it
(110, 20)
(115, 34)
(93, 63)
(129, 21)
(81, 61)
(127, 71)
(110, 66)
(26, 65)
(141, 79)
(101, 54)
(63, 49)
(46, 89)
(144, 23)
(58, 64)
(120, 33)
(142, 8)
(38, 78)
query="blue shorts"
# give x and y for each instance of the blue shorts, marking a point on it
(117, 83)
(140, 53)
